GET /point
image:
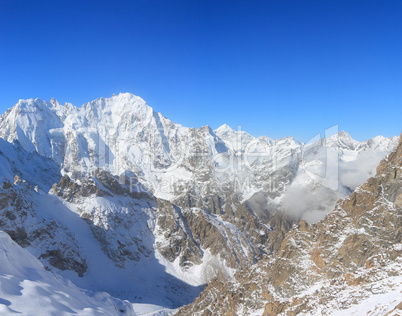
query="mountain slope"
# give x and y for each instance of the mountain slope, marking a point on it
(28, 289)
(349, 262)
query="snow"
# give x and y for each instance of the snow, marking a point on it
(196, 275)
(376, 299)
(379, 304)
(144, 281)
(150, 309)
(27, 288)
(33, 168)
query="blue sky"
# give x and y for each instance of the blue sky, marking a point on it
(277, 68)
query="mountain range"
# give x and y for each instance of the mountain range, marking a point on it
(114, 197)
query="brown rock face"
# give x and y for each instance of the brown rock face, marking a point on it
(178, 241)
(189, 232)
(354, 253)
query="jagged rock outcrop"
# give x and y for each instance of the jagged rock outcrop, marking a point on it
(353, 254)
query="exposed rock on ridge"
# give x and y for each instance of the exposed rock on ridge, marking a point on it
(354, 254)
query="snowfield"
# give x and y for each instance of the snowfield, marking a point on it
(27, 288)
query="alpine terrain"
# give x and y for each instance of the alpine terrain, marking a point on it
(350, 263)
(113, 209)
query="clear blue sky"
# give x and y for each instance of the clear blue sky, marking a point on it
(278, 68)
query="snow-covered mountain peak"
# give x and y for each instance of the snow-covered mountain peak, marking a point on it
(32, 105)
(288, 142)
(344, 135)
(235, 140)
(119, 100)
(38, 109)
(224, 129)
(381, 143)
(119, 105)
(206, 130)
(341, 135)
(342, 139)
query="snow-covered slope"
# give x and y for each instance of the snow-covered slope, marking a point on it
(27, 288)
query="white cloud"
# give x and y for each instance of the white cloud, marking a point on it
(355, 173)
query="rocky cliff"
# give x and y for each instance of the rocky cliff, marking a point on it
(348, 263)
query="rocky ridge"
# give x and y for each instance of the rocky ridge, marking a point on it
(350, 258)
